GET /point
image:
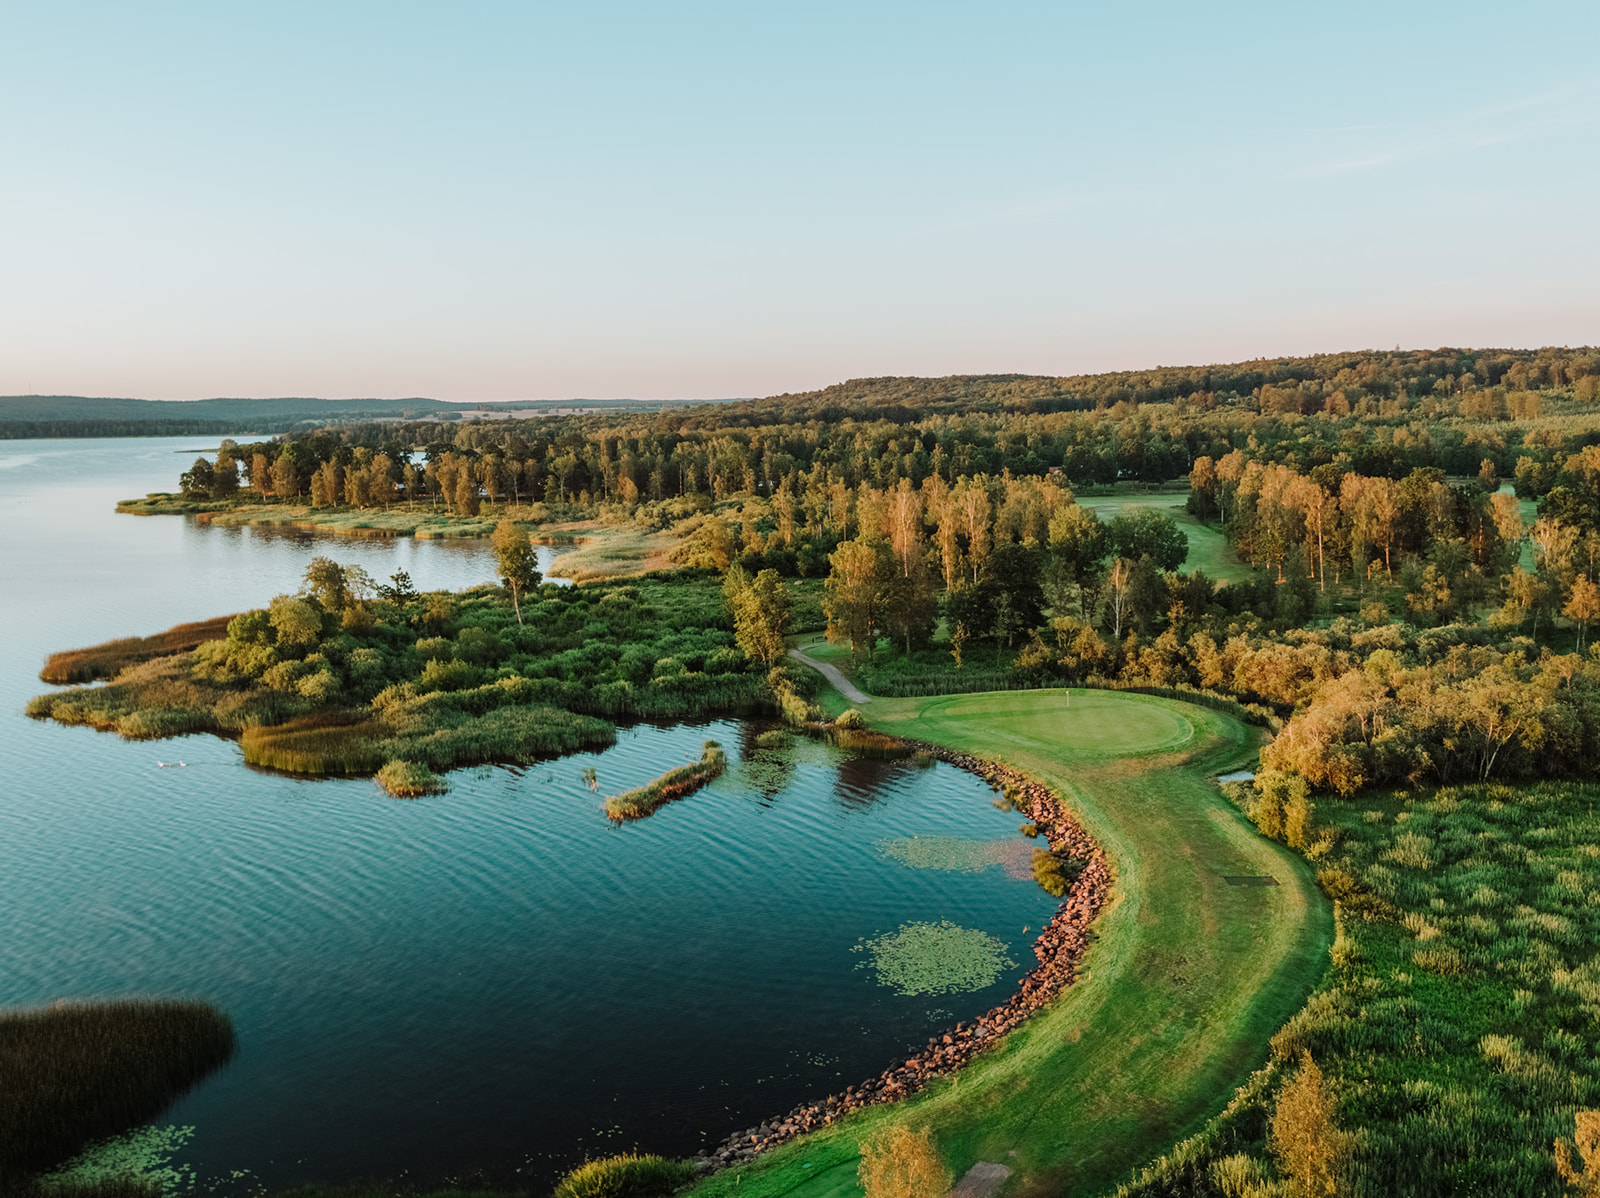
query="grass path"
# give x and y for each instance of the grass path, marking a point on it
(1189, 977)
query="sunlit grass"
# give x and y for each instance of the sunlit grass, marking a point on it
(674, 784)
(110, 659)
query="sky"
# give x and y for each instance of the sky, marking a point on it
(481, 201)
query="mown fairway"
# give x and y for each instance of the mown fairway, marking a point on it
(1208, 548)
(1190, 976)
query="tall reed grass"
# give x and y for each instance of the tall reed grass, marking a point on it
(76, 1072)
(107, 660)
(674, 784)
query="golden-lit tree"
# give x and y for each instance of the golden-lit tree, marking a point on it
(1582, 1180)
(1306, 1140)
(897, 1162)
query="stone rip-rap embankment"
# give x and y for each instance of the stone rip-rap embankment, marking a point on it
(1059, 948)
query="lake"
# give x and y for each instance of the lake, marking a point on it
(493, 983)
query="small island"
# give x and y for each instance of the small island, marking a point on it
(679, 783)
(349, 677)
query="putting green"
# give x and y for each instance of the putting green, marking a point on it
(1093, 722)
(1188, 979)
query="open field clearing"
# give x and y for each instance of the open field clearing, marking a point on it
(1208, 548)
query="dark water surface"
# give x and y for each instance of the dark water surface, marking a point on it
(491, 980)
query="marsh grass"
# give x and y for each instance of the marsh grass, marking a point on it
(674, 784)
(868, 743)
(77, 1072)
(326, 743)
(409, 780)
(625, 1176)
(438, 681)
(106, 661)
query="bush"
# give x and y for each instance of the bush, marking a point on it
(850, 719)
(625, 1176)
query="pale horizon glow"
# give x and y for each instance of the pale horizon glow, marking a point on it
(504, 201)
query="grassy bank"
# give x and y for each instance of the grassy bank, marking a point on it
(674, 784)
(76, 1072)
(1190, 977)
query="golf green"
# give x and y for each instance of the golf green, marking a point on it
(1100, 723)
(1187, 980)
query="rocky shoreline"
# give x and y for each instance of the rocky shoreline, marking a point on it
(1059, 948)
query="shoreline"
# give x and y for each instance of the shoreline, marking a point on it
(1059, 948)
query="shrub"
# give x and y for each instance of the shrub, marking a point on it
(897, 1162)
(1050, 871)
(625, 1176)
(851, 719)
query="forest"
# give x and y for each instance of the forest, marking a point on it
(1389, 560)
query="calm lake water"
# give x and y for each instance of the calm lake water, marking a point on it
(491, 982)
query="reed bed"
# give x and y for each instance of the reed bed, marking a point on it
(76, 1072)
(329, 743)
(868, 743)
(674, 784)
(409, 780)
(105, 661)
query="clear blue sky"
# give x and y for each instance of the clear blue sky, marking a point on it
(521, 200)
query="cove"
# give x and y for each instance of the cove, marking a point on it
(487, 984)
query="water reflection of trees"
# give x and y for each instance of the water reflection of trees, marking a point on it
(767, 771)
(862, 780)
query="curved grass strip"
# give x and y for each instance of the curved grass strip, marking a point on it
(674, 784)
(935, 958)
(1177, 998)
(77, 1072)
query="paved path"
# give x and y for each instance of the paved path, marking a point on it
(832, 674)
(980, 1181)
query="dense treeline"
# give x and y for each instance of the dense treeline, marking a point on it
(83, 416)
(947, 507)
(1388, 414)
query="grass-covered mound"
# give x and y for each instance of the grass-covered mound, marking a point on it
(76, 1072)
(625, 1176)
(339, 680)
(108, 660)
(1457, 1028)
(674, 784)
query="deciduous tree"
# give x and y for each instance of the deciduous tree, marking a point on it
(514, 558)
